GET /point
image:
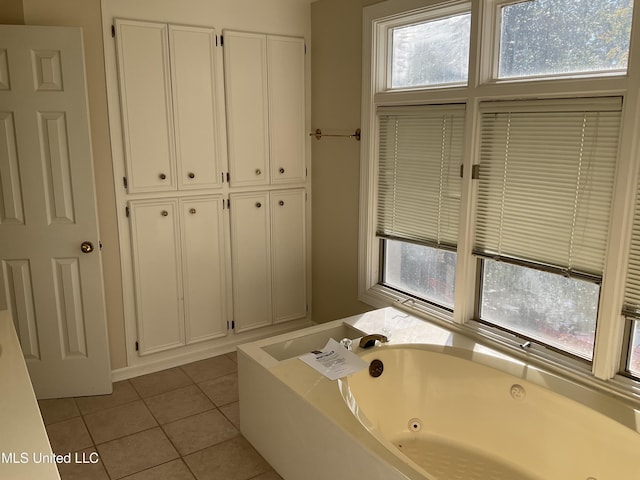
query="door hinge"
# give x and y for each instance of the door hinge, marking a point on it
(113, 31)
(125, 182)
(126, 211)
(137, 346)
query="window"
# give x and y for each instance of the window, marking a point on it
(527, 242)
(420, 153)
(434, 52)
(560, 37)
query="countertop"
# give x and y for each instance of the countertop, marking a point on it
(25, 451)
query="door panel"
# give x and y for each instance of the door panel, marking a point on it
(288, 254)
(250, 257)
(145, 94)
(157, 275)
(245, 62)
(193, 85)
(286, 109)
(53, 290)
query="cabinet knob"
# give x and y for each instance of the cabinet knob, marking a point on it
(192, 211)
(164, 213)
(281, 203)
(258, 204)
(258, 171)
(162, 176)
(191, 175)
(281, 170)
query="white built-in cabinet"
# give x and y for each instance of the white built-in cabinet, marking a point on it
(179, 270)
(168, 102)
(268, 257)
(217, 230)
(264, 89)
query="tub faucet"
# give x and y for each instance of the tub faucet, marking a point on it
(370, 340)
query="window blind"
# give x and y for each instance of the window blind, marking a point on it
(546, 180)
(632, 289)
(419, 158)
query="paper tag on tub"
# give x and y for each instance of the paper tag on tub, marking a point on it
(334, 361)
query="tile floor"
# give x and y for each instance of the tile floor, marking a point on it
(177, 424)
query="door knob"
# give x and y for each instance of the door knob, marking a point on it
(86, 247)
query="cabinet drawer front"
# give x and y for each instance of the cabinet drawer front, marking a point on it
(157, 275)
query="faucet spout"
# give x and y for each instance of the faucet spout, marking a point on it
(370, 340)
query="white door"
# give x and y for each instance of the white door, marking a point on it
(49, 244)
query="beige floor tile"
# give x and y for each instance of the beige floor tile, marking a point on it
(210, 368)
(58, 409)
(69, 436)
(200, 431)
(160, 382)
(174, 470)
(136, 453)
(222, 390)
(232, 412)
(119, 421)
(83, 468)
(234, 459)
(123, 392)
(184, 402)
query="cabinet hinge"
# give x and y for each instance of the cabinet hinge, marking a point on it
(113, 31)
(228, 177)
(137, 347)
(306, 172)
(125, 182)
(221, 40)
(126, 211)
(228, 204)
(305, 48)
(231, 325)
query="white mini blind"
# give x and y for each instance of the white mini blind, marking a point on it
(420, 153)
(632, 290)
(546, 181)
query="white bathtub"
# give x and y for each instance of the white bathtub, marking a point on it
(437, 412)
(453, 418)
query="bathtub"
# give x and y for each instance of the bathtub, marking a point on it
(444, 408)
(452, 417)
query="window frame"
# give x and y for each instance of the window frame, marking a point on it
(605, 370)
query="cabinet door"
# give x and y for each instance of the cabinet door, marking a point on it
(288, 254)
(250, 258)
(157, 274)
(286, 109)
(145, 97)
(193, 78)
(203, 268)
(245, 64)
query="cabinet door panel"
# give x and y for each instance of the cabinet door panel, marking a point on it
(286, 109)
(245, 62)
(145, 91)
(250, 256)
(157, 276)
(193, 86)
(203, 269)
(288, 254)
